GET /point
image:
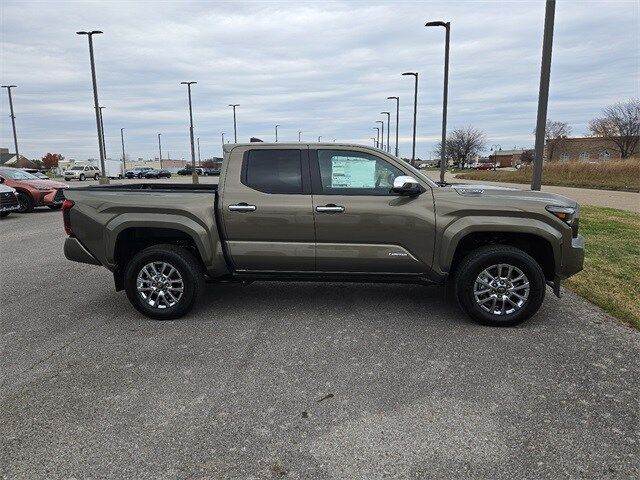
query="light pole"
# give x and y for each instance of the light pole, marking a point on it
(104, 145)
(374, 140)
(223, 144)
(388, 114)
(103, 179)
(397, 99)
(13, 122)
(194, 174)
(543, 94)
(377, 136)
(235, 130)
(415, 111)
(124, 158)
(494, 149)
(299, 136)
(319, 137)
(445, 94)
(199, 162)
(381, 134)
(277, 133)
(160, 149)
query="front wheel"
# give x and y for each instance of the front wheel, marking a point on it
(82, 177)
(499, 285)
(96, 176)
(164, 281)
(26, 202)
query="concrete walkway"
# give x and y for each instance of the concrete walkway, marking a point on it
(629, 201)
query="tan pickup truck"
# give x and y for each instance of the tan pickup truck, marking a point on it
(326, 212)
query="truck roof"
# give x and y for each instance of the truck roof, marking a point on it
(229, 146)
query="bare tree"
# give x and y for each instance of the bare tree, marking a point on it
(463, 144)
(555, 133)
(619, 123)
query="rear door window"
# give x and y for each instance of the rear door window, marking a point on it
(273, 171)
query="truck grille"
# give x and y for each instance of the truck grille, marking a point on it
(8, 200)
(59, 197)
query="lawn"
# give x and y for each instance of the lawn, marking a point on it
(607, 175)
(611, 275)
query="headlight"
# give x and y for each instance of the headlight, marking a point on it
(568, 215)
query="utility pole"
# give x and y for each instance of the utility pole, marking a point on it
(415, 113)
(543, 95)
(397, 99)
(124, 158)
(235, 130)
(103, 179)
(13, 122)
(194, 174)
(160, 148)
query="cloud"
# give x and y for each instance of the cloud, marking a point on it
(323, 68)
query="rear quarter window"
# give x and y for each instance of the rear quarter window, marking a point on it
(273, 171)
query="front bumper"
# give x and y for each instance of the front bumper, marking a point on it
(55, 197)
(76, 252)
(9, 202)
(572, 258)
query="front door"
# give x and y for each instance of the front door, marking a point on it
(267, 210)
(361, 226)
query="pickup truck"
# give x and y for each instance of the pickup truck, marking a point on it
(326, 212)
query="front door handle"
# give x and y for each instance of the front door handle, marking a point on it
(242, 207)
(330, 208)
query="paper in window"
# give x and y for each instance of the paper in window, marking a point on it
(353, 173)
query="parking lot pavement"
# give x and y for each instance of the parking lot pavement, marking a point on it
(300, 380)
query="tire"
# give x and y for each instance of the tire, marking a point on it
(96, 176)
(478, 302)
(4, 214)
(55, 207)
(26, 202)
(82, 177)
(188, 268)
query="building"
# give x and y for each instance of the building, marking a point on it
(506, 158)
(11, 160)
(588, 149)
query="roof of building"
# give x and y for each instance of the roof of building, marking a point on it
(5, 157)
(507, 152)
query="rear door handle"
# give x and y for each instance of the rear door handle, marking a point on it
(330, 208)
(242, 207)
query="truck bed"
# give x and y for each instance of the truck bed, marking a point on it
(159, 187)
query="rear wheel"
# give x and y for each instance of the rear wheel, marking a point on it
(26, 202)
(499, 285)
(82, 177)
(163, 281)
(96, 176)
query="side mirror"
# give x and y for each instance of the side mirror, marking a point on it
(406, 185)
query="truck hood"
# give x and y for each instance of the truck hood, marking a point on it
(480, 190)
(50, 184)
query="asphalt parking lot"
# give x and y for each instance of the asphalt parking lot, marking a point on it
(300, 380)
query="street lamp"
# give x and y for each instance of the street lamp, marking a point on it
(104, 145)
(199, 162)
(397, 99)
(194, 174)
(223, 144)
(103, 179)
(277, 133)
(13, 122)
(495, 152)
(299, 136)
(319, 137)
(447, 27)
(235, 130)
(377, 136)
(388, 114)
(415, 110)
(382, 134)
(124, 158)
(160, 149)
(374, 140)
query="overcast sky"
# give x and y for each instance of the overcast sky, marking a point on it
(324, 68)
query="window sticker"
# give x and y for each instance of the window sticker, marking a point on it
(353, 172)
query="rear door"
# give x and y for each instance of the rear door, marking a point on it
(267, 210)
(361, 226)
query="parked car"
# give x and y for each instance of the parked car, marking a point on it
(214, 172)
(137, 172)
(154, 173)
(81, 172)
(323, 212)
(32, 191)
(187, 171)
(37, 173)
(483, 166)
(8, 200)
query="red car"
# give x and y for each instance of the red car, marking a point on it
(484, 166)
(33, 192)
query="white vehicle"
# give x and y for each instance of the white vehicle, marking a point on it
(114, 168)
(8, 200)
(81, 172)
